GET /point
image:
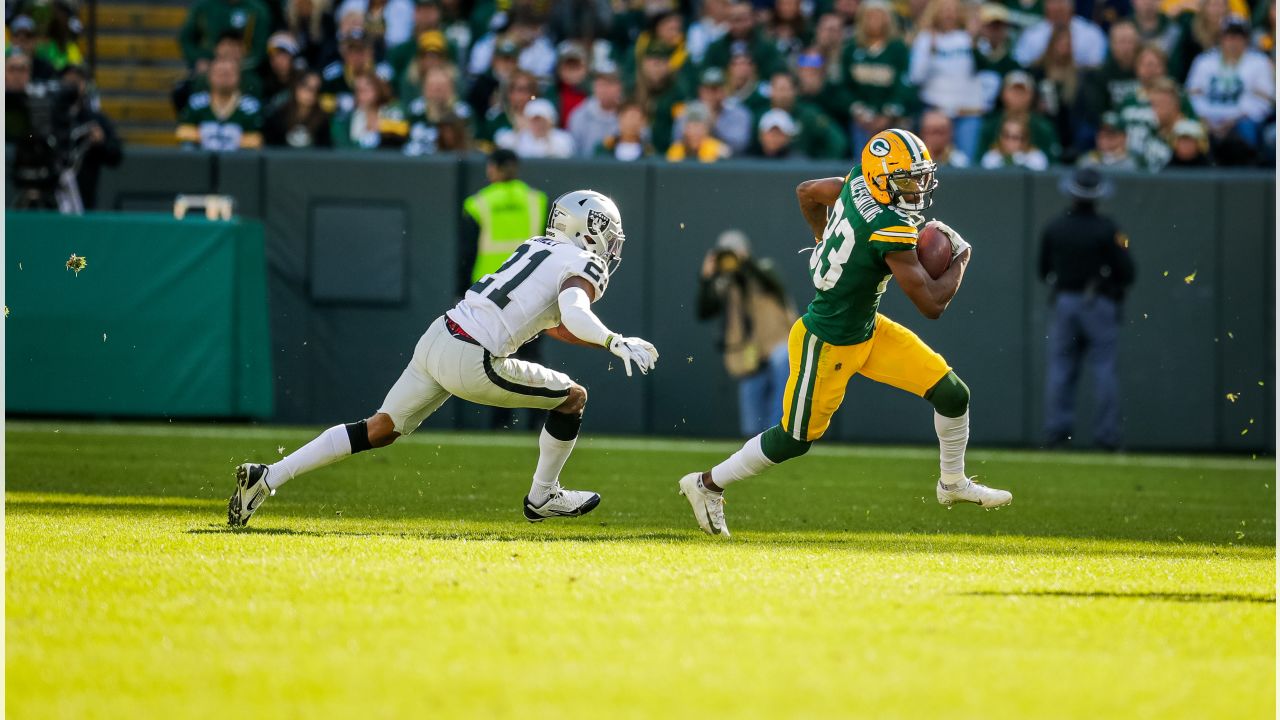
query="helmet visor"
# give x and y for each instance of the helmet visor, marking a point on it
(917, 182)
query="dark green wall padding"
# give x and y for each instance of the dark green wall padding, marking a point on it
(1185, 346)
(168, 319)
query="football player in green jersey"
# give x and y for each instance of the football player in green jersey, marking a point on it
(865, 228)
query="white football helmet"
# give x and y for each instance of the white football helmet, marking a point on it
(591, 221)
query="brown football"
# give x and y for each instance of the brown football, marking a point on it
(934, 250)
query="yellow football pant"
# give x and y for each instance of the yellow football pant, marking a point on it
(820, 372)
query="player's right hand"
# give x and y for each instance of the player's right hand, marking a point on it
(634, 350)
(958, 243)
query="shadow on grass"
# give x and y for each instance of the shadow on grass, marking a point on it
(1166, 596)
(906, 530)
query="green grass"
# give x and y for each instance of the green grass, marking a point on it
(405, 583)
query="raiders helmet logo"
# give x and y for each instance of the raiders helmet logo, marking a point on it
(597, 222)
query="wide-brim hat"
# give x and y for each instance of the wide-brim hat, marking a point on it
(1086, 184)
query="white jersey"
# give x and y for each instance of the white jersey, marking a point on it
(1221, 92)
(507, 308)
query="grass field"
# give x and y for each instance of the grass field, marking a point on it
(405, 583)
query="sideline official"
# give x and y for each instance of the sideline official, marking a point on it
(1084, 257)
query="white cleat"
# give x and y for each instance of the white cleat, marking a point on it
(251, 490)
(562, 503)
(708, 507)
(972, 492)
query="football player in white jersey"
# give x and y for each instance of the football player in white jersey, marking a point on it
(547, 285)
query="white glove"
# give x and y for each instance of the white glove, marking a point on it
(958, 244)
(634, 350)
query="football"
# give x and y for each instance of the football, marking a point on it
(934, 250)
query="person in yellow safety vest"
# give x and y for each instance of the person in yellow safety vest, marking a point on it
(496, 220)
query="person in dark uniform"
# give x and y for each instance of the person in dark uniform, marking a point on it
(1085, 260)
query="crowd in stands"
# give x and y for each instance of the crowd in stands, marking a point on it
(1120, 83)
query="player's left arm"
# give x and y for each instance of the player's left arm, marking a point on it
(930, 296)
(815, 197)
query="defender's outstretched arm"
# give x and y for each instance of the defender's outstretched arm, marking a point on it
(581, 323)
(815, 197)
(930, 296)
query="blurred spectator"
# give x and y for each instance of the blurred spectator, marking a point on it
(789, 29)
(486, 91)
(875, 72)
(221, 118)
(376, 120)
(829, 42)
(777, 135)
(1017, 101)
(935, 131)
(430, 52)
(1199, 33)
(813, 136)
(299, 122)
(942, 66)
(664, 36)
(812, 87)
(1110, 151)
(338, 78)
(1135, 111)
(312, 25)
(59, 46)
(711, 25)
(230, 46)
(757, 316)
(1232, 88)
(1151, 139)
(427, 35)
(1106, 87)
(657, 90)
(536, 53)
(847, 11)
(437, 105)
(695, 143)
(1059, 88)
(22, 36)
(1088, 44)
(629, 142)
(597, 117)
(1190, 145)
(993, 52)
(585, 21)
(744, 35)
(743, 83)
(1154, 26)
(569, 88)
(209, 19)
(281, 71)
(1084, 257)
(506, 115)
(1014, 149)
(730, 121)
(17, 76)
(537, 135)
(388, 22)
(498, 219)
(94, 142)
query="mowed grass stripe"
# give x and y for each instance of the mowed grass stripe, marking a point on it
(506, 439)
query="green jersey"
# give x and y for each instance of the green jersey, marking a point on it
(199, 124)
(848, 265)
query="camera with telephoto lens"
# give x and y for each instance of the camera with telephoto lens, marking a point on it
(42, 151)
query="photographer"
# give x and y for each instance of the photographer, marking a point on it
(758, 315)
(94, 142)
(38, 124)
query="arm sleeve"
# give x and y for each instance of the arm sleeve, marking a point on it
(1259, 98)
(918, 70)
(893, 238)
(577, 318)
(1197, 89)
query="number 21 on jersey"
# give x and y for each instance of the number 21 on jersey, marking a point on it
(829, 257)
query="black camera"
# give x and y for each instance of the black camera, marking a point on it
(42, 140)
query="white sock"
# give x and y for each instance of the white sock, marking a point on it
(329, 447)
(747, 462)
(953, 438)
(552, 455)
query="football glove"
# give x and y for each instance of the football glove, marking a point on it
(958, 244)
(634, 350)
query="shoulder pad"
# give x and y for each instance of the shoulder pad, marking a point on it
(332, 71)
(198, 101)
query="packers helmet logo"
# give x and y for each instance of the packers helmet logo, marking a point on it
(879, 147)
(597, 222)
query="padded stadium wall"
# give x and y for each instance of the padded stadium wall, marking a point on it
(361, 254)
